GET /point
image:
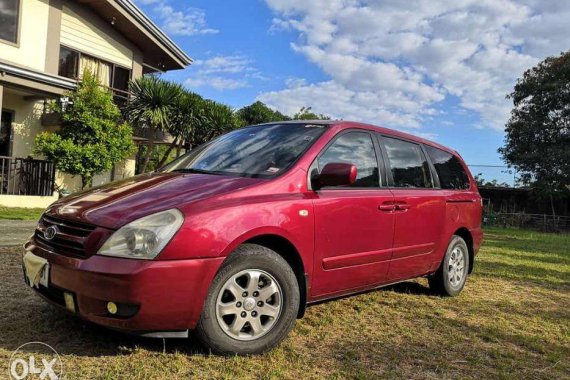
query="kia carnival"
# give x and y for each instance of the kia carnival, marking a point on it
(235, 238)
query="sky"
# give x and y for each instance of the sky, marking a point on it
(434, 68)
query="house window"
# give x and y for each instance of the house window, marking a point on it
(101, 69)
(9, 17)
(121, 77)
(72, 64)
(68, 63)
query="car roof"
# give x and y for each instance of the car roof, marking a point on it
(346, 124)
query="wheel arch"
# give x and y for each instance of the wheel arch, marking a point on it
(286, 249)
(466, 235)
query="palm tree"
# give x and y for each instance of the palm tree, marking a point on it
(217, 119)
(151, 107)
(187, 116)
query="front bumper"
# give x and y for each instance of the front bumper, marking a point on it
(168, 295)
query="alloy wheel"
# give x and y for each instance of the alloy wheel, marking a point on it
(456, 267)
(248, 304)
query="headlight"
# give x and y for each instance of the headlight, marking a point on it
(145, 237)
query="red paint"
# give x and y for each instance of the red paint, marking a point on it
(351, 240)
(338, 174)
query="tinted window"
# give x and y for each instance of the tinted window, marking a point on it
(9, 20)
(121, 78)
(120, 86)
(354, 148)
(263, 151)
(408, 164)
(68, 63)
(449, 170)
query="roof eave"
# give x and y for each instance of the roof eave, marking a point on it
(153, 29)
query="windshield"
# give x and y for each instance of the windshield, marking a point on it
(260, 151)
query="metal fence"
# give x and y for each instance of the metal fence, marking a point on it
(540, 222)
(26, 176)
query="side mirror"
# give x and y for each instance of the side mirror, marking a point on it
(337, 174)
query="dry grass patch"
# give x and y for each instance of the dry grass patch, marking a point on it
(511, 321)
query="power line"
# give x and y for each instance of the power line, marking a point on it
(488, 166)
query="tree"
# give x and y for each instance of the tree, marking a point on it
(187, 116)
(217, 119)
(150, 106)
(305, 113)
(258, 113)
(481, 182)
(92, 137)
(538, 132)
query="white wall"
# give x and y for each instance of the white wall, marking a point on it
(31, 48)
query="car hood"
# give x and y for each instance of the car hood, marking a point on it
(118, 203)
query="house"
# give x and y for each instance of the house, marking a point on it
(45, 45)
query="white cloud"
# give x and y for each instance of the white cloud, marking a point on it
(295, 82)
(188, 22)
(224, 73)
(392, 61)
(217, 82)
(225, 64)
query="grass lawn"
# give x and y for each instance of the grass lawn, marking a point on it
(511, 321)
(17, 213)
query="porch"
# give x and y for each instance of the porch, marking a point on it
(26, 182)
(25, 179)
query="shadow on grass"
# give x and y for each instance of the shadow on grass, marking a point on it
(69, 335)
(36, 320)
(410, 287)
(26, 317)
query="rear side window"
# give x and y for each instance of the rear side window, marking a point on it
(408, 164)
(354, 148)
(449, 170)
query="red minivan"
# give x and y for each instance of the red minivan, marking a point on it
(235, 238)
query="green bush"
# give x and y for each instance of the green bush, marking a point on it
(92, 137)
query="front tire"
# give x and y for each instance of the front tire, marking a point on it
(450, 278)
(252, 303)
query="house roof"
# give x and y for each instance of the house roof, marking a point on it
(159, 51)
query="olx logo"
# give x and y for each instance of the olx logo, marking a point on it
(33, 360)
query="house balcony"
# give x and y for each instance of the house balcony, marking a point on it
(50, 118)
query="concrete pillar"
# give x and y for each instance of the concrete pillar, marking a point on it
(53, 37)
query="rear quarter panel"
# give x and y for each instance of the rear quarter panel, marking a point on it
(462, 210)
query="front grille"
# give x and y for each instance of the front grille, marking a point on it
(70, 239)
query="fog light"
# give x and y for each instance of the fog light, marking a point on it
(111, 308)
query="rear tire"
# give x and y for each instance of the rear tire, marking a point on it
(252, 303)
(450, 278)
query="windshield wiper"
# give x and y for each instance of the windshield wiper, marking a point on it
(192, 170)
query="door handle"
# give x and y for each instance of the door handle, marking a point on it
(386, 207)
(402, 207)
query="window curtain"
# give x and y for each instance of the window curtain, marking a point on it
(101, 70)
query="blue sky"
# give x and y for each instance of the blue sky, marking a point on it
(437, 68)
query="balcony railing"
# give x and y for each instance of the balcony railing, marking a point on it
(26, 176)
